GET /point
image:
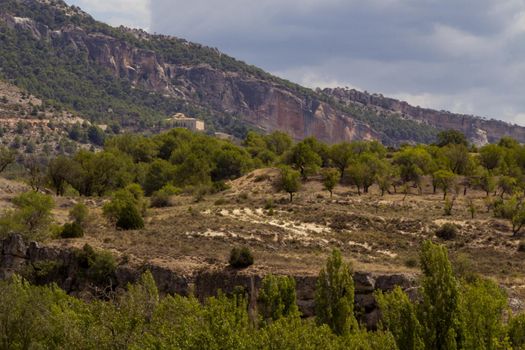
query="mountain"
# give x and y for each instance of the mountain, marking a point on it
(134, 79)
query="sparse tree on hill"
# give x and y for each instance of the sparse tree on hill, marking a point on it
(341, 155)
(444, 180)
(305, 159)
(290, 181)
(330, 179)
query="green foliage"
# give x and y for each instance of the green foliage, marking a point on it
(304, 158)
(341, 155)
(444, 180)
(290, 181)
(399, 316)
(439, 310)
(7, 157)
(491, 156)
(59, 173)
(31, 218)
(334, 296)
(482, 305)
(451, 137)
(241, 257)
(447, 231)
(516, 331)
(99, 266)
(72, 230)
(126, 207)
(330, 178)
(277, 298)
(79, 213)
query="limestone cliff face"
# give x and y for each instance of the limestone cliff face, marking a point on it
(478, 130)
(254, 98)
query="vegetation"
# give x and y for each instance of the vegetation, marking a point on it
(241, 257)
(450, 313)
(31, 216)
(334, 296)
(447, 231)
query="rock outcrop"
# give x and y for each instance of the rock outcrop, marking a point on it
(478, 130)
(20, 257)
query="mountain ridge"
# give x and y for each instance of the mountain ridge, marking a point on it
(137, 79)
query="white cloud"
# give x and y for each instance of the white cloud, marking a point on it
(130, 13)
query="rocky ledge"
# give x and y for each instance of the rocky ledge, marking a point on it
(19, 257)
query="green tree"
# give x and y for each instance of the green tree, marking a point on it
(304, 158)
(160, 172)
(444, 180)
(59, 172)
(330, 179)
(334, 296)
(341, 155)
(451, 137)
(482, 305)
(126, 208)
(439, 312)
(399, 316)
(278, 298)
(491, 156)
(290, 181)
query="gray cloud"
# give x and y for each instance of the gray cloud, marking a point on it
(461, 55)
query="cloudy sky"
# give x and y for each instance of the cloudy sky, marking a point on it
(461, 55)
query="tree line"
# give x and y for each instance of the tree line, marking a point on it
(179, 160)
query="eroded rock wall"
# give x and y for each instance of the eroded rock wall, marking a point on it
(18, 257)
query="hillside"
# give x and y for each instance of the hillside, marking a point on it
(129, 77)
(32, 127)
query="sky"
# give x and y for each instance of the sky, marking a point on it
(466, 56)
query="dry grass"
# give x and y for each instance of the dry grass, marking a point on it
(376, 233)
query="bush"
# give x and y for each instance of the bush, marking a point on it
(129, 218)
(241, 257)
(126, 208)
(79, 214)
(72, 230)
(521, 247)
(447, 231)
(31, 218)
(99, 266)
(160, 199)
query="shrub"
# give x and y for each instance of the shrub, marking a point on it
(447, 231)
(72, 230)
(160, 199)
(126, 208)
(31, 217)
(241, 257)
(129, 218)
(99, 266)
(521, 247)
(79, 214)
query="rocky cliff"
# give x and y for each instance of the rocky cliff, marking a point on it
(477, 129)
(167, 74)
(64, 266)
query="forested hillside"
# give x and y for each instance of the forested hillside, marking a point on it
(129, 77)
